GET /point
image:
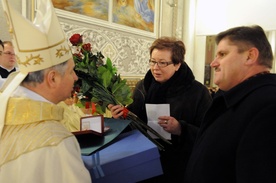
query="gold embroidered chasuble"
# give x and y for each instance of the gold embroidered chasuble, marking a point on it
(25, 117)
(32, 128)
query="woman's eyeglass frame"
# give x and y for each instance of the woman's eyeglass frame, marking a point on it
(161, 64)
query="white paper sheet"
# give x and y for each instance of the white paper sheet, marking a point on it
(153, 112)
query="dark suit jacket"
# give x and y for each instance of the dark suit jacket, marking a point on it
(237, 139)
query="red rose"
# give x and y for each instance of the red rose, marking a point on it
(76, 39)
(87, 105)
(125, 112)
(86, 47)
(77, 57)
(94, 109)
(77, 89)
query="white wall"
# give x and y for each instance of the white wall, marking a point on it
(214, 16)
(4, 34)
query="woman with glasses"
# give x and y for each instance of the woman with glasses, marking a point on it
(171, 81)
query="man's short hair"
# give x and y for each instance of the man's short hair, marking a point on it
(1, 43)
(38, 76)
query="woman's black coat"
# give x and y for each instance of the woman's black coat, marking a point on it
(188, 101)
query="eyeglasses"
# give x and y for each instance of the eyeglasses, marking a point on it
(9, 53)
(160, 64)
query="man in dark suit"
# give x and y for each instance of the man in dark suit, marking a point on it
(236, 142)
(7, 59)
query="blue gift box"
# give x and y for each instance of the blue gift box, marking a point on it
(131, 158)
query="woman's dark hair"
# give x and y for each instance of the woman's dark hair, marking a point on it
(176, 46)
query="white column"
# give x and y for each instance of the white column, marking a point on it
(271, 36)
(195, 45)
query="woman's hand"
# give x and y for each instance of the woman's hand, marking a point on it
(116, 110)
(170, 124)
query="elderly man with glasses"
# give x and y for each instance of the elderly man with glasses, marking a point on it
(7, 59)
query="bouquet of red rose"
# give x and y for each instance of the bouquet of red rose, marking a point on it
(99, 81)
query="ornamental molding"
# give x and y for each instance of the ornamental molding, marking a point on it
(129, 54)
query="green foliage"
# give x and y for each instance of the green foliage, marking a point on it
(99, 81)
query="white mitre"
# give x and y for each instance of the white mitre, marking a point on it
(38, 45)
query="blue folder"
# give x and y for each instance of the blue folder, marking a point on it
(130, 158)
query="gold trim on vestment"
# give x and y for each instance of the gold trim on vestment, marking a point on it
(23, 111)
(30, 125)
